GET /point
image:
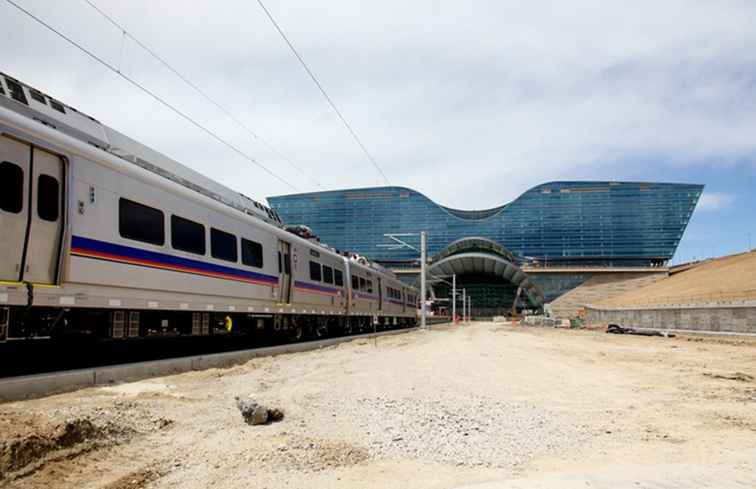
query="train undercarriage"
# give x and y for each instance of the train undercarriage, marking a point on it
(22, 323)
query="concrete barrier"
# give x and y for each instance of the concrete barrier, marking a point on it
(142, 370)
(40, 385)
(719, 318)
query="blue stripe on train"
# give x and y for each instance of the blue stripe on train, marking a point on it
(366, 296)
(116, 250)
(319, 288)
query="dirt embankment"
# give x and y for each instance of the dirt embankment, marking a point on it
(727, 279)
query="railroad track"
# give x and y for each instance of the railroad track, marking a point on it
(42, 384)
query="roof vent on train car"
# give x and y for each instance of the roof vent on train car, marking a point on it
(57, 106)
(42, 108)
(38, 96)
(16, 90)
(303, 232)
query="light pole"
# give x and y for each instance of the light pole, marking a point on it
(422, 278)
(464, 304)
(454, 298)
(423, 259)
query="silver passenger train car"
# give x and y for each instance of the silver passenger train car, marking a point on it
(105, 237)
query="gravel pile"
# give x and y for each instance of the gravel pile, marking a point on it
(471, 431)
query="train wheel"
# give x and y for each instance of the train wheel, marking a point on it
(295, 330)
(296, 333)
(321, 329)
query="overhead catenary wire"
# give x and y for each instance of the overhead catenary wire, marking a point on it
(152, 94)
(202, 93)
(322, 90)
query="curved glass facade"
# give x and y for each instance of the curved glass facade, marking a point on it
(559, 223)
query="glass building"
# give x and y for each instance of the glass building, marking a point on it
(604, 224)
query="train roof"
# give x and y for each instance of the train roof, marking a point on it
(31, 102)
(27, 100)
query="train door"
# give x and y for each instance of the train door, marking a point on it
(380, 294)
(284, 269)
(341, 284)
(15, 162)
(46, 221)
(31, 212)
(348, 287)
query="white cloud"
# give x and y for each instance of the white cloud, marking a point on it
(714, 201)
(470, 103)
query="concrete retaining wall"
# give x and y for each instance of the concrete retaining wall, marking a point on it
(716, 318)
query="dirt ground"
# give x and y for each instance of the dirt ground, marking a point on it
(482, 406)
(726, 279)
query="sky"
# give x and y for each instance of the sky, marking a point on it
(469, 102)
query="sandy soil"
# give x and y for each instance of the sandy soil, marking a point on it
(727, 279)
(482, 406)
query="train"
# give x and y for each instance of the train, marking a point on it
(105, 238)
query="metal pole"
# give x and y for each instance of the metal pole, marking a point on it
(469, 309)
(454, 298)
(423, 238)
(464, 304)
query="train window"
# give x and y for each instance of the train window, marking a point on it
(48, 198)
(370, 286)
(11, 187)
(187, 235)
(279, 262)
(141, 223)
(252, 253)
(315, 273)
(16, 91)
(36, 95)
(338, 277)
(327, 274)
(363, 286)
(57, 106)
(355, 283)
(223, 245)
